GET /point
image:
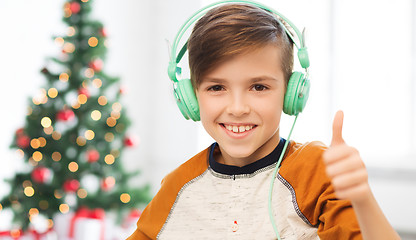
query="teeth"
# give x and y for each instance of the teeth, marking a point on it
(238, 129)
(235, 129)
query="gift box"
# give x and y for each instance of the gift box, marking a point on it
(87, 224)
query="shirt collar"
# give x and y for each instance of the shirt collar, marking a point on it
(268, 160)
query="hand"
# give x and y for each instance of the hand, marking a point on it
(345, 167)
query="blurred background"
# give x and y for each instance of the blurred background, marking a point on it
(363, 61)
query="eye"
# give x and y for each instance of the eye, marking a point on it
(215, 88)
(259, 87)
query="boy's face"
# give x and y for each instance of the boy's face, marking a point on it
(241, 104)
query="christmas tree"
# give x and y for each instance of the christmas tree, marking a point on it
(75, 132)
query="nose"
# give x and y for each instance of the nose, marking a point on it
(238, 105)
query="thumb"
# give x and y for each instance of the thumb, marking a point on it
(337, 129)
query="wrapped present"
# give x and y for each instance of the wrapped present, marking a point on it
(131, 219)
(87, 224)
(11, 234)
(61, 224)
(49, 234)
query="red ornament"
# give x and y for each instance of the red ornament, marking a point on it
(108, 183)
(20, 131)
(65, 115)
(84, 91)
(92, 155)
(122, 90)
(23, 141)
(130, 141)
(71, 185)
(41, 175)
(103, 32)
(75, 7)
(96, 64)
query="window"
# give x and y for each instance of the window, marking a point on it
(362, 53)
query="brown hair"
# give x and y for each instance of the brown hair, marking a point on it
(232, 29)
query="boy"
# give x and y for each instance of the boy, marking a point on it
(241, 61)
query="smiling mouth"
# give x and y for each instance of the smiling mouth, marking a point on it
(239, 128)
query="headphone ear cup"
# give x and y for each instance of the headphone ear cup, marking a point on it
(296, 96)
(186, 100)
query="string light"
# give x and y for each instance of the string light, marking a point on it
(102, 100)
(57, 194)
(52, 92)
(125, 198)
(56, 135)
(82, 99)
(76, 105)
(15, 233)
(46, 122)
(64, 77)
(37, 156)
(29, 191)
(96, 115)
(109, 137)
(81, 141)
(42, 141)
(73, 166)
(71, 31)
(97, 83)
(85, 83)
(35, 143)
(20, 153)
(50, 223)
(93, 41)
(115, 115)
(1, 207)
(29, 111)
(82, 193)
(116, 107)
(89, 73)
(27, 183)
(89, 134)
(110, 181)
(64, 208)
(67, 10)
(111, 122)
(48, 130)
(33, 212)
(56, 156)
(109, 159)
(69, 47)
(60, 41)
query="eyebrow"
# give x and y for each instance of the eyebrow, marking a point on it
(252, 80)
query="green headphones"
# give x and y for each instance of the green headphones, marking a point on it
(297, 92)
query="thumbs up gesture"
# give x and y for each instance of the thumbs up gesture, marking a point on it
(345, 167)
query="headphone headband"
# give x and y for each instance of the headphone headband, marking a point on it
(297, 91)
(175, 59)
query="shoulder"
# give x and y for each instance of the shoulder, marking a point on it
(304, 171)
(157, 211)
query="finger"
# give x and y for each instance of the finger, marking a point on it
(337, 129)
(356, 193)
(351, 179)
(338, 153)
(351, 163)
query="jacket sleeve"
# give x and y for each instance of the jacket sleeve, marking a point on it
(306, 172)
